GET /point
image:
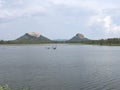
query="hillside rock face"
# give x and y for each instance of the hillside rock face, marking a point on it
(78, 37)
(34, 34)
(81, 36)
(32, 37)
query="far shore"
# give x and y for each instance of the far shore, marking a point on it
(59, 44)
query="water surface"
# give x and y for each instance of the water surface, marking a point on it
(69, 67)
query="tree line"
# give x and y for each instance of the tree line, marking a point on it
(110, 41)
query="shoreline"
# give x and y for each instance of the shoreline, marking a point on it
(58, 44)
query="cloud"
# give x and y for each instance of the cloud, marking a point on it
(20, 8)
(60, 16)
(105, 21)
(1, 3)
(96, 5)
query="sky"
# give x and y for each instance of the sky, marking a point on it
(60, 19)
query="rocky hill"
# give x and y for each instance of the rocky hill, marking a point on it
(78, 38)
(32, 37)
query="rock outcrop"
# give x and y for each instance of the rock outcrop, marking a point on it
(78, 37)
(32, 37)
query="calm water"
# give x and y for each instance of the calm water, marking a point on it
(69, 67)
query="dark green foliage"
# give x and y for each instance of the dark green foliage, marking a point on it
(110, 41)
(5, 42)
(2, 42)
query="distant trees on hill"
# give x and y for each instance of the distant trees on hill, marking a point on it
(5, 42)
(110, 41)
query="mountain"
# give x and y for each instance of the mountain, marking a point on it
(32, 37)
(78, 38)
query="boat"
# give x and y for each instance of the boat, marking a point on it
(54, 48)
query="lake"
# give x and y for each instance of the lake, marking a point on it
(69, 67)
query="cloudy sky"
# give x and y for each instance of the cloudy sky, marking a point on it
(60, 19)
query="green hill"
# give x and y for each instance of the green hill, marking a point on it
(32, 38)
(78, 38)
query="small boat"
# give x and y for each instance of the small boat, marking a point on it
(47, 47)
(54, 48)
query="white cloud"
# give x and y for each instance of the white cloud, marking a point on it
(66, 14)
(116, 28)
(19, 8)
(8, 13)
(19, 2)
(106, 22)
(1, 3)
(95, 20)
(96, 5)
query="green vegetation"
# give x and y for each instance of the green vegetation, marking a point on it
(28, 39)
(5, 42)
(6, 87)
(77, 39)
(110, 42)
